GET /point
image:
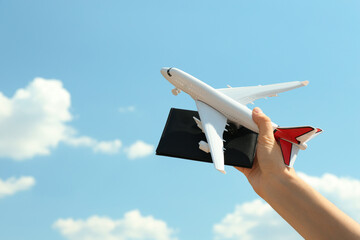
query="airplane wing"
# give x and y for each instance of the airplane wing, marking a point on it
(246, 95)
(213, 124)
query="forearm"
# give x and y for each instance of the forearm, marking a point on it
(307, 211)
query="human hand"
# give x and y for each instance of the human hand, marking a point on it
(268, 162)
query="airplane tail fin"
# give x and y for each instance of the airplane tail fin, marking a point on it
(292, 139)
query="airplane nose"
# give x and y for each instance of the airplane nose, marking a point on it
(165, 71)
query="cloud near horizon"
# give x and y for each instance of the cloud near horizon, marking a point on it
(35, 120)
(257, 220)
(106, 147)
(132, 226)
(139, 149)
(13, 185)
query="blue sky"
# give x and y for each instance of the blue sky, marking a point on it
(107, 95)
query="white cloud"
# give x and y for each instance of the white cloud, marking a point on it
(132, 226)
(35, 120)
(127, 109)
(107, 147)
(254, 220)
(13, 185)
(110, 147)
(83, 141)
(257, 220)
(139, 149)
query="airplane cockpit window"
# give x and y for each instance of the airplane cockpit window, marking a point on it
(168, 72)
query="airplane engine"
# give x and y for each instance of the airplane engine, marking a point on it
(204, 146)
(198, 123)
(175, 91)
(232, 128)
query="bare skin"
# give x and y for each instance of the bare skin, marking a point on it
(306, 210)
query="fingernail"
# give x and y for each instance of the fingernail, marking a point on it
(257, 110)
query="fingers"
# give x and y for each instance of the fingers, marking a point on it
(266, 134)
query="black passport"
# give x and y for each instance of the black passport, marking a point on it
(181, 137)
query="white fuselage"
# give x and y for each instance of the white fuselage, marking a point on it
(198, 90)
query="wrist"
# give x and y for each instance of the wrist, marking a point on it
(273, 183)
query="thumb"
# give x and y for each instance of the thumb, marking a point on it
(266, 134)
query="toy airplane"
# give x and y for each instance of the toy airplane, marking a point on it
(216, 107)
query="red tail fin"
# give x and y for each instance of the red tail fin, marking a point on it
(292, 139)
(286, 148)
